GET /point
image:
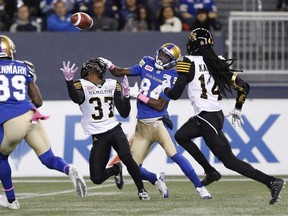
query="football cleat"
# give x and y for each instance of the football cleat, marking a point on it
(4, 202)
(143, 195)
(276, 187)
(78, 181)
(161, 186)
(203, 193)
(211, 177)
(119, 181)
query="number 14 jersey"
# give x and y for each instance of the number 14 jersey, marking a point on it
(202, 90)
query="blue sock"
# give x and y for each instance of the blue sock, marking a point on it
(6, 179)
(146, 175)
(53, 162)
(187, 168)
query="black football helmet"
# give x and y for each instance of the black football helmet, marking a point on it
(199, 38)
(7, 47)
(94, 64)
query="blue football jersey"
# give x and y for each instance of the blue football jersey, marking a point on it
(151, 86)
(14, 80)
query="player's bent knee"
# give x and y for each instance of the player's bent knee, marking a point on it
(96, 179)
(179, 138)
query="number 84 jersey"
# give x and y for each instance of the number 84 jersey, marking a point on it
(202, 90)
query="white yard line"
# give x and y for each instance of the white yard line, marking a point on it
(31, 195)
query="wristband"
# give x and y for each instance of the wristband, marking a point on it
(143, 98)
(112, 67)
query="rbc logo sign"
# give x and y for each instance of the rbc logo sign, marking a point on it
(244, 148)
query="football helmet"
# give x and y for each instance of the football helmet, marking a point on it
(7, 47)
(198, 39)
(166, 56)
(94, 64)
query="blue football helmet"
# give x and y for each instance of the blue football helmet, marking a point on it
(166, 56)
(7, 47)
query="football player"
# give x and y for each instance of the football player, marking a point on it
(19, 120)
(153, 120)
(97, 98)
(208, 78)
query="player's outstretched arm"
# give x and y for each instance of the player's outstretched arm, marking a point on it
(115, 70)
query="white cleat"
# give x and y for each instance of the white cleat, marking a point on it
(78, 181)
(143, 195)
(4, 202)
(161, 186)
(203, 193)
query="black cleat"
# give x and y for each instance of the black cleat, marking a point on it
(119, 181)
(211, 177)
(276, 187)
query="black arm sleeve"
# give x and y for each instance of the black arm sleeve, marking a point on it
(122, 104)
(76, 94)
(186, 72)
(242, 89)
(178, 88)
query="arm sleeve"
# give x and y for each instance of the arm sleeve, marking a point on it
(178, 88)
(75, 91)
(242, 89)
(186, 72)
(122, 104)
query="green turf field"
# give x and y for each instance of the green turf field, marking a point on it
(231, 196)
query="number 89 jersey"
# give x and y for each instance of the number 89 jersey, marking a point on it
(14, 81)
(98, 107)
(202, 90)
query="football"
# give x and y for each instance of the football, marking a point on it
(81, 20)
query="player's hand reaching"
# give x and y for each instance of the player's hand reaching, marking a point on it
(125, 87)
(68, 71)
(236, 117)
(134, 91)
(108, 63)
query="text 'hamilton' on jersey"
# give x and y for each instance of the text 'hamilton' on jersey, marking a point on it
(98, 106)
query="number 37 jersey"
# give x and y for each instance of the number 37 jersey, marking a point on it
(202, 90)
(98, 107)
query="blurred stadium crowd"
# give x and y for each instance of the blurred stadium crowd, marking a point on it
(109, 15)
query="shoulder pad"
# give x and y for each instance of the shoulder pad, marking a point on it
(28, 63)
(77, 84)
(142, 62)
(30, 66)
(183, 66)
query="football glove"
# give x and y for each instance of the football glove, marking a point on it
(31, 70)
(68, 71)
(125, 87)
(108, 63)
(165, 84)
(236, 117)
(134, 91)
